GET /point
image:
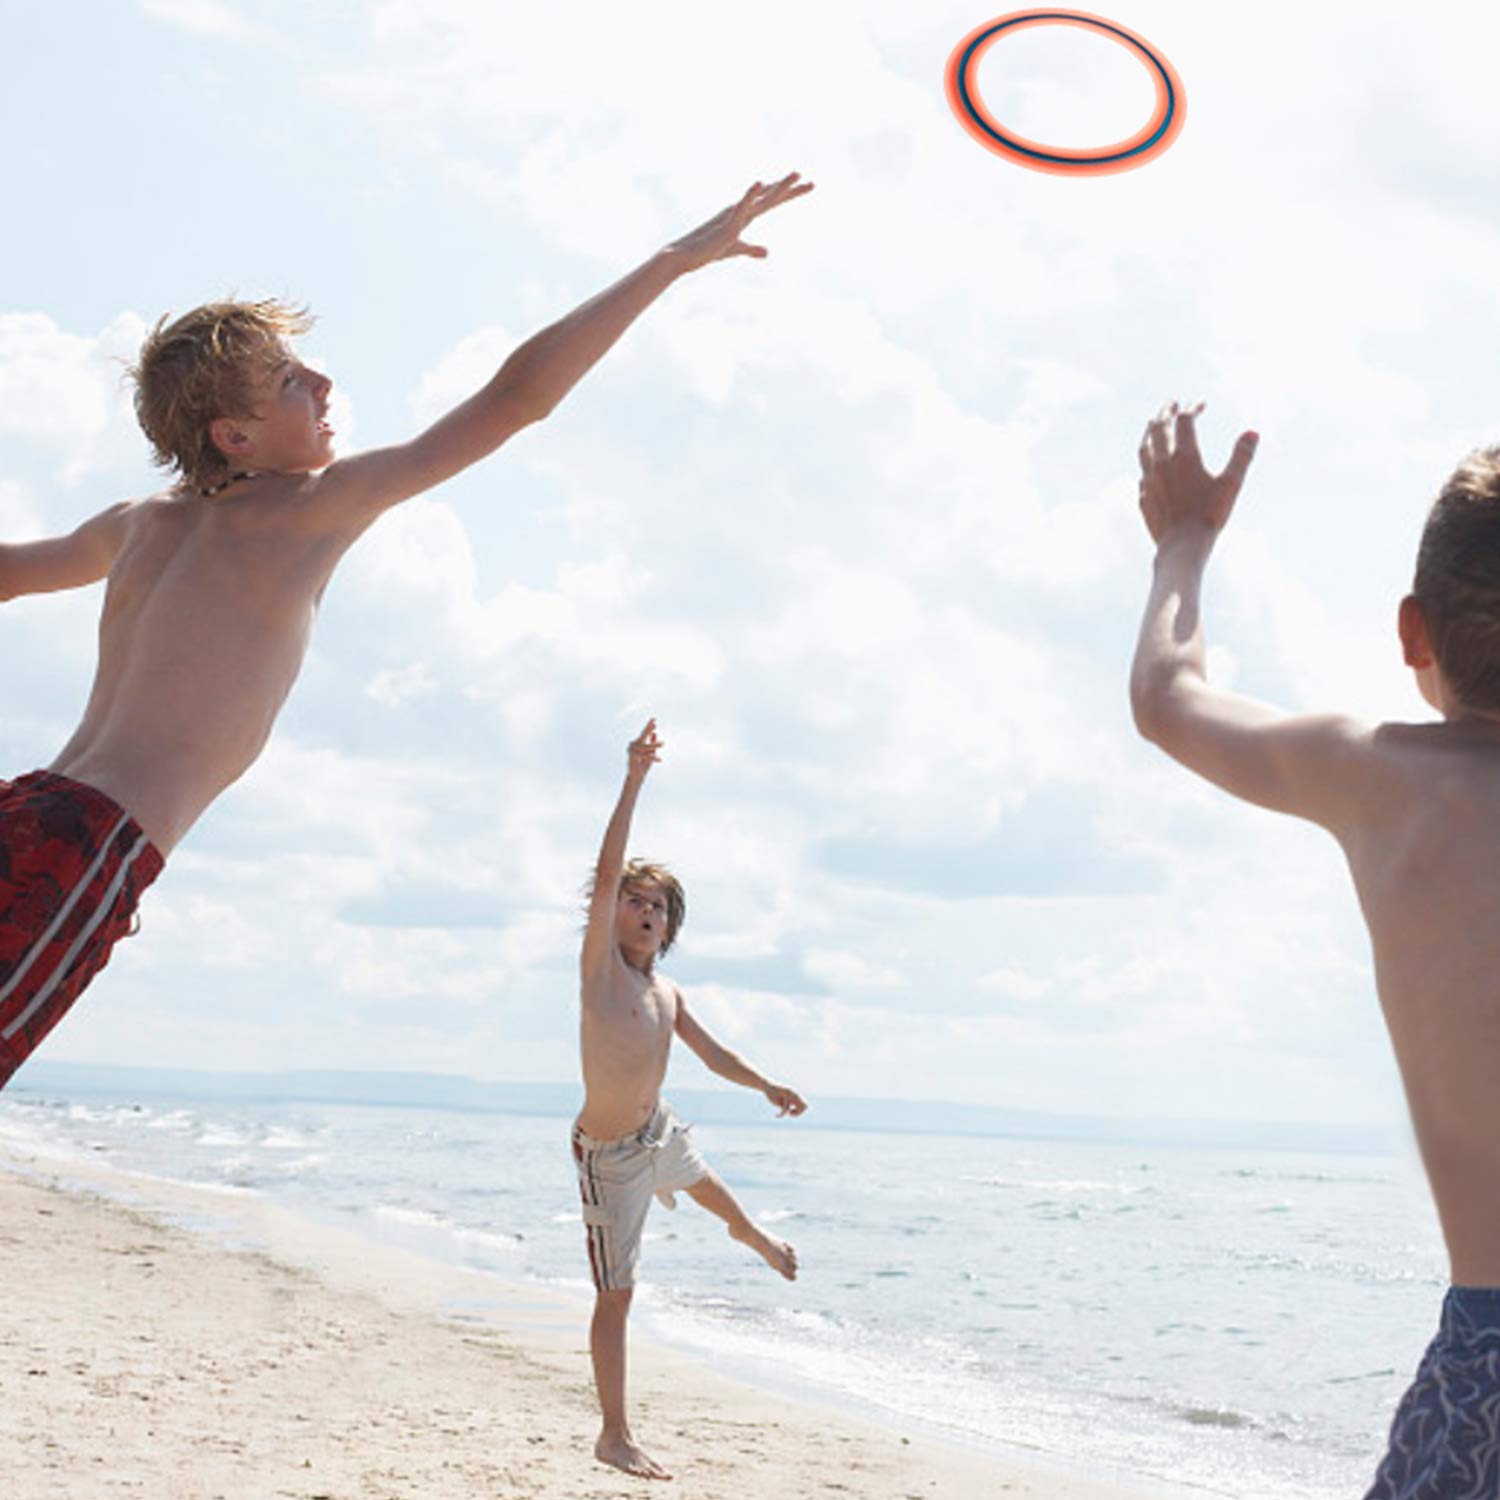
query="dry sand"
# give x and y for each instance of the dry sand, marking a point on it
(139, 1358)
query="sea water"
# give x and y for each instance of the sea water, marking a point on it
(1240, 1322)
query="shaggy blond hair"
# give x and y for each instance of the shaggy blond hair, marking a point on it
(1458, 580)
(203, 366)
(647, 873)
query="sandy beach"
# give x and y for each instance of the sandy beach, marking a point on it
(140, 1357)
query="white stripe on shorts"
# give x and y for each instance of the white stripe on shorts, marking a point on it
(89, 928)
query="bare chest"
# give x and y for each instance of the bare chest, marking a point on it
(636, 1013)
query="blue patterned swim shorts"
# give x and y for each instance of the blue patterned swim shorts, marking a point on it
(1445, 1439)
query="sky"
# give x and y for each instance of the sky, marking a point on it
(856, 523)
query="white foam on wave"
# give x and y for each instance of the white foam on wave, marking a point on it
(931, 1380)
(279, 1138)
(778, 1215)
(221, 1189)
(30, 1142)
(301, 1164)
(510, 1243)
(419, 1217)
(1059, 1185)
(224, 1189)
(84, 1112)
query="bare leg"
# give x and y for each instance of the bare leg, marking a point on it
(711, 1194)
(607, 1345)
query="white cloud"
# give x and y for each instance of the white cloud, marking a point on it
(460, 372)
(20, 521)
(397, 685)
(858, 522)
(67, 393)
(1013, 983)
(212, 18)
(851, 971)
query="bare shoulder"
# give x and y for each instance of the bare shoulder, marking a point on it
(150, 510)
(116, 521)
(1438, 758)
(1395, 778)
(72, 560)
(1336, 765)
(1351, 745)
(1313, 766)
(352, 492)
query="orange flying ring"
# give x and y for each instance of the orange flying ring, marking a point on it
(1164, 126)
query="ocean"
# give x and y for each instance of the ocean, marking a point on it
(1237, 1321)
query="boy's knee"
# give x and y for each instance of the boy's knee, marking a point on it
(614, 1302)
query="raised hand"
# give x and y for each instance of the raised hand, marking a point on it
(644, 751)
(1176, 489)
(719, 238)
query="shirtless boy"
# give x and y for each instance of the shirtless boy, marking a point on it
(213, 587)
(1416, 808)
(627, 1144)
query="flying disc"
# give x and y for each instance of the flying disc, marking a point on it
(1164, 126)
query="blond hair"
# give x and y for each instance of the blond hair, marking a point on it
(639, 872)
(203, 366)
(1458, 580)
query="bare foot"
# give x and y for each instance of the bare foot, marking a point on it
(776, 1253)
(617, 1449)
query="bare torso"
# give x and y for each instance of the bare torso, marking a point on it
(628, 1019)
(206, 620)
(1426, 862)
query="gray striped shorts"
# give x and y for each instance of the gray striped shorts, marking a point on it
(617, 1180)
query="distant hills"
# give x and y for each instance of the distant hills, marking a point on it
(711, 1106)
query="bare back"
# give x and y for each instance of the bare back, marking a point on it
(1416, 808)
(207, 617)
(1425, 857)
(626, 1026)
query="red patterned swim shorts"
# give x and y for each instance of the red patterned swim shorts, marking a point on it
(73, 866)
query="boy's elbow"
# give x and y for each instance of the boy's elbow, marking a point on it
(526, 403)
(536, 406)
(1156, 704)
(524, 397)
(1147, 707)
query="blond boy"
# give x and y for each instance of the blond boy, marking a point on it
(213, 588)
(628, 1146)
(1416, 808)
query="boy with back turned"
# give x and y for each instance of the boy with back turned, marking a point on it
(628, 1146)
(1416, 808)
(213, 587)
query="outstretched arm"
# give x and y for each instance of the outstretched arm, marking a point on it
(718, 1058)
(1301, 765)
(536, 377)
(599, 935)
(82, 557)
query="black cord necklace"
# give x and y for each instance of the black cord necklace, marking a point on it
(214, 489)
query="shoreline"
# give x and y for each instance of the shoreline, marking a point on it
(226, 1343)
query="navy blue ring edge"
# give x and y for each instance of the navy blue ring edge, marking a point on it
(1065, 161)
